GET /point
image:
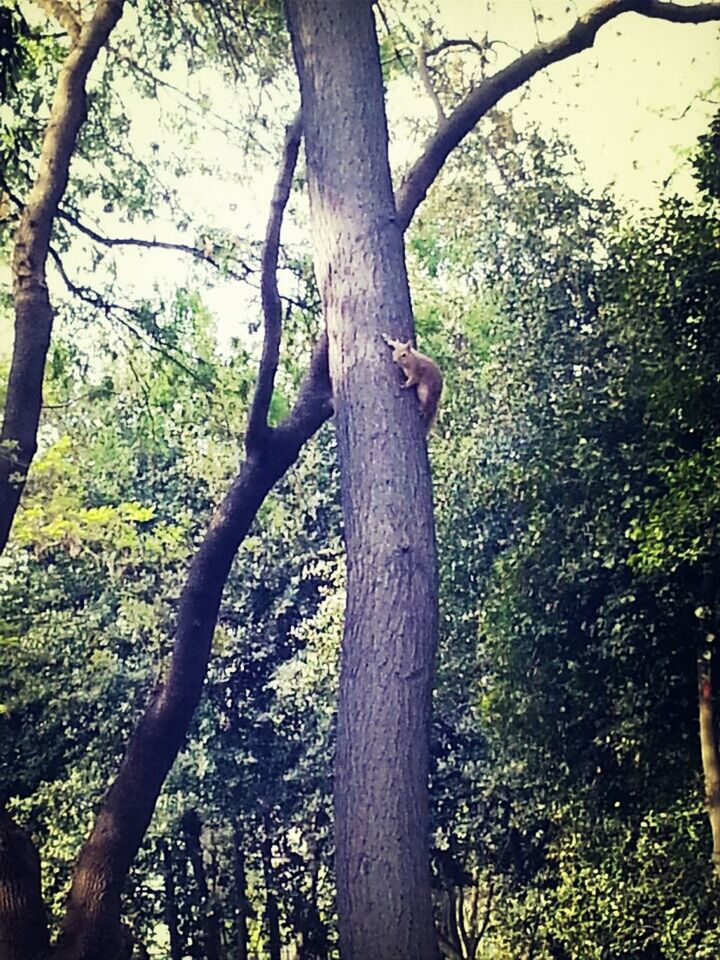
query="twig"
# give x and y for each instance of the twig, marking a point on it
(115, 311)
(396, 53)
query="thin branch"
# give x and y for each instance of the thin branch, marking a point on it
(190, 102)
(483, 97)
(426, 79)
(486, 918)
(469, 42)
(271, 304)
(197, 252)
(396, 53)
(119, 312)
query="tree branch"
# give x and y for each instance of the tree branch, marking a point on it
(197, 252)
(271, 305)
(422, 59)
(447, 44)
(92, 918)
(482, 98)
(114, 312)
(33, 311)
(65, 16)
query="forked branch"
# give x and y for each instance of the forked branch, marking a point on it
(92, 921)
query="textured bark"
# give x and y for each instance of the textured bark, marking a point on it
(33, 312)
(381, 802)
(23, 924)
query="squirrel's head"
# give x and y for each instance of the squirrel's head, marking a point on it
(401, 350)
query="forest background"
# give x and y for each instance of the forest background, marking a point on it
(574, 775)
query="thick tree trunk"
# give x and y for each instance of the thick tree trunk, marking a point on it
(381, 801)
(23, 924)
(192, 828)
(33, 312)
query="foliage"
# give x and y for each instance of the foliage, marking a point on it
(575, 466)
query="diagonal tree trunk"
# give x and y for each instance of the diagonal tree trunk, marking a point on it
(381, 797)
(91, 928)
(33, 312)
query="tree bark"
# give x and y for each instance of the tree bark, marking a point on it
(23, 923)
(381, 796)
(33, 312)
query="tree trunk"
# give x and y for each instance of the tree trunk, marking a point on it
(91, 928)
(381, 795)
(241, 901)
(23, 924)
(170, 905)
(272, 918)
(709, 745)
(33, 312)
(192, 828)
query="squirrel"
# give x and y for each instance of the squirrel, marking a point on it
(421, 372)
